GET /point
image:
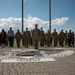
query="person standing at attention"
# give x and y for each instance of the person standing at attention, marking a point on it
(11, 37)
(3, 38)
(36, 36)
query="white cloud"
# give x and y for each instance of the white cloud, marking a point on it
(15, 23)
(29, 22)
(59, 21)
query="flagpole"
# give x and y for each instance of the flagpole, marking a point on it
(50, 15)
(22, 15)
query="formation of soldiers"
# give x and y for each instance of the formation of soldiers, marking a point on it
(37, 37)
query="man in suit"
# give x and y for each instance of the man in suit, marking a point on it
(69, 38)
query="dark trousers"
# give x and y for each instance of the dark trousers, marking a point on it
(11, 41)
(73, 41)
(69, 42)
(18, 42)
(36, 43)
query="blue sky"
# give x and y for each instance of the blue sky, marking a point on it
(37, 11)
(64, 8)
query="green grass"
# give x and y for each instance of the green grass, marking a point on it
(15, 44)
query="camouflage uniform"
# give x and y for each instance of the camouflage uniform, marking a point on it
(66, 38)
(23, 38)
(36, 36)
(45, 39)
(55, 37)
(27, 37)
(51, 40)
(42, 38)
(61, 38)
(48, 38)
(18, 38)
(30, 39)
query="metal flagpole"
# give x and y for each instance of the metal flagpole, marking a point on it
(50, 15)
(22, 15)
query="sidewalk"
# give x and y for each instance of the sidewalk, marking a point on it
(62, 66)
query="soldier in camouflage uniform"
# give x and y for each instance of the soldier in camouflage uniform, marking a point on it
(51, 39)
(48, 38)
(18, 37)
(42, 37)
(27, 37)
(23, 38)
(55, 37)
(30, 39)
(36, 36)
(45, 39)
(61, 38)
(72, 38)
(66, 38)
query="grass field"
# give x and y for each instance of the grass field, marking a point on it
(15, 44)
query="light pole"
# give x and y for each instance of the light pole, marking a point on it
(22, 15)
(50, 15)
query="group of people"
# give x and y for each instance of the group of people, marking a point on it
(5, 37)
(37, 37)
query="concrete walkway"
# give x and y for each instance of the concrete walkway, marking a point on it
(63, 66)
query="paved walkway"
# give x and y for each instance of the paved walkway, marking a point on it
(63, 66)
